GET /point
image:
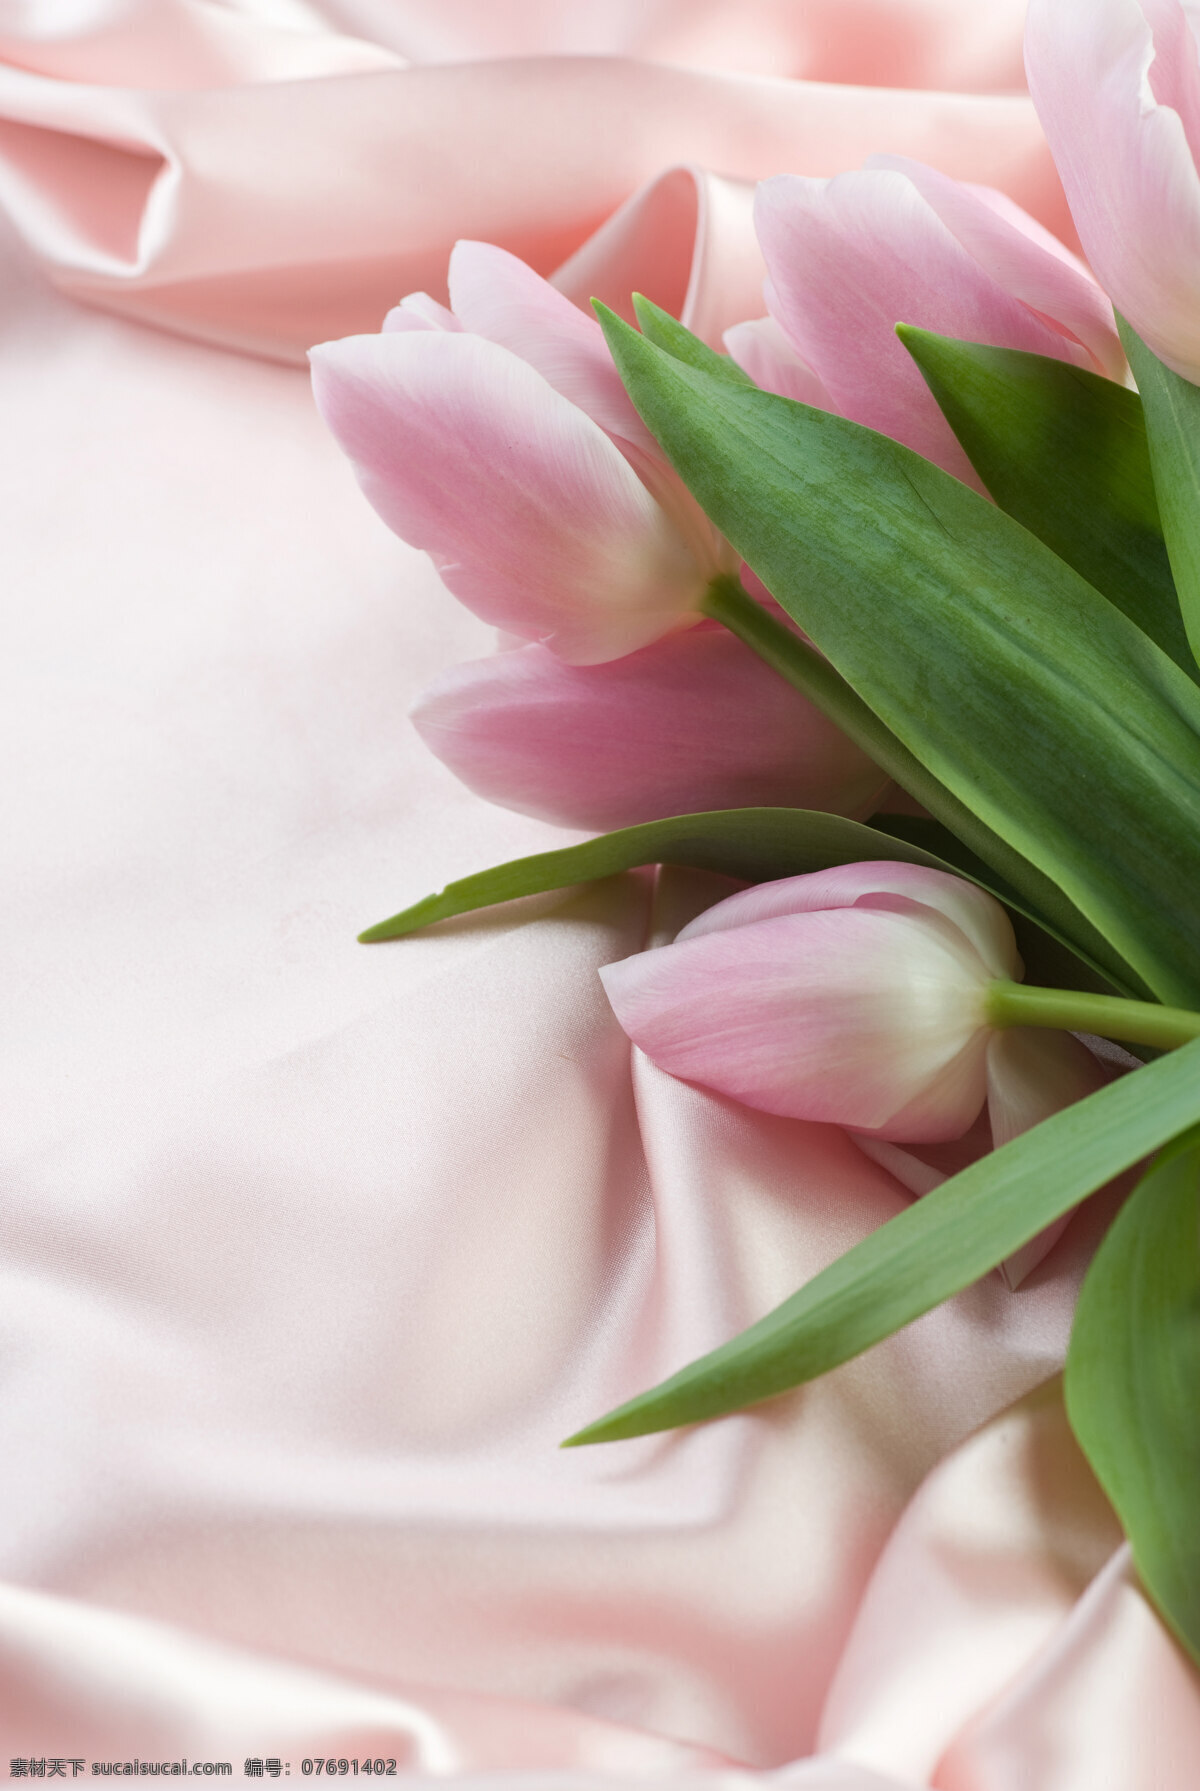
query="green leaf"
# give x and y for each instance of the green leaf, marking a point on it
(1133, 1380)
(756, 844)
(1064, 451)
(727, 601)
(931, 1251)
(1041, 707)
(1172, 409)
(665, 331)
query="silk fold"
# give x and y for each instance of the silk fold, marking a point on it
(312, 1253)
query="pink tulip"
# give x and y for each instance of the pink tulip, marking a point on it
(849, 258)
(1116, 84)
(855, 996)
(498, 437)
(763, 351)
(693, 722)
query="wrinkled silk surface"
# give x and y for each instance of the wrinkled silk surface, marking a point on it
(312, 1253)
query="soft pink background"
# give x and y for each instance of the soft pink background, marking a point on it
(312, 1253)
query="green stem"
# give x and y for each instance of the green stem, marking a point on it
(1072, 1010)
(726, 600)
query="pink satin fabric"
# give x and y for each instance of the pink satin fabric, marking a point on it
(245, 175)
(312, 1253)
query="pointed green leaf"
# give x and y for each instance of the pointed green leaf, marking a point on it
(1041, 707)
(1064, 451)
(727, 601)
(1133, 1380)
(931, 1251)
(756, 844)
(1172, 410)
(665, 331)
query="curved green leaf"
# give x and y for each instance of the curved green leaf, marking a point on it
(1005, 872)
(931, 1251)
(1041, 707)
(727, 601)
(1133, 1380)
(756, 844)
(1064, 451)
(665, 331)
(1172, 410)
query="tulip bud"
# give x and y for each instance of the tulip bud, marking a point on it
(696, 721)
(497, 436)
(897, 242)
(855, 996)
(1116, 84)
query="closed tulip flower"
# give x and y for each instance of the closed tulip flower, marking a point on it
(1116, 84)
(696, 721)
(897, 242)
(856, 996)
(497, 436)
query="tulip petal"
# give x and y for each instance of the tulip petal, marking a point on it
(761, 349)
(495, 295)
(862, 1018)
(1174, 74)
(910, 1170)
(420, 312)
(1033, 1073)
(1024, 259)
(975, 915)
(691, 723)
(851, 257)
(1030, 1075)
(1119, 101)
(534, 519)
(922, 1167)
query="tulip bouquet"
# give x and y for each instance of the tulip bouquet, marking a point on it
(913, 531)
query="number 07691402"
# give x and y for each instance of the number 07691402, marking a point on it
(343, 1767)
